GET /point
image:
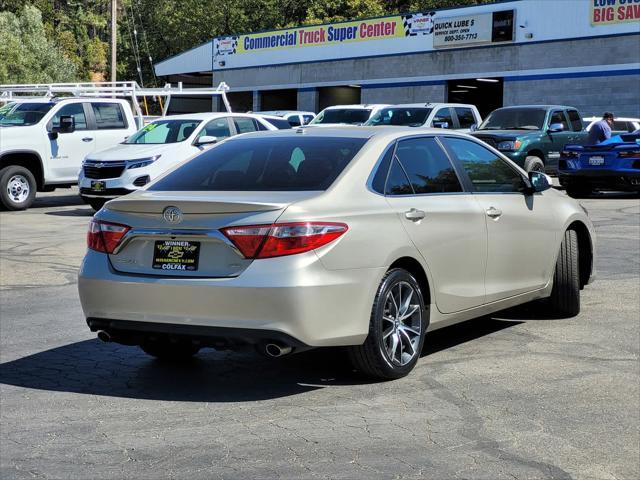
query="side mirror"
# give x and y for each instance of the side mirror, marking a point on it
(473, 127)
(555, 127)
(67, 125)
(440, 124)
(540, 181)
(206, 140)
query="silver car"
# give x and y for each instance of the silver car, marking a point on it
(358, 237)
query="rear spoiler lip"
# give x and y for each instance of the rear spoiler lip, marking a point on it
(206, 203)
(600, 148)
(192, 207)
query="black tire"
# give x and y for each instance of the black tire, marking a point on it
(17, 188)
(96, 203)
(579, 191)
(565, 296)
(171, 351)
(372, 357)
(533, 164)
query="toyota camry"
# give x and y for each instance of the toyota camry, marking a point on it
(360, 237)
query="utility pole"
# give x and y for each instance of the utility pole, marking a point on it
(114, 29)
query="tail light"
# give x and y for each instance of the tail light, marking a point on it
(629, 154)
(105, 236)
(568, 154)
(280, 239)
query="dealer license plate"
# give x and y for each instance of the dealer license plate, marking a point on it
(98, 186)
(596, 160)
(176, 255)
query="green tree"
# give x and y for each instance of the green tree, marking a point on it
(28, 56)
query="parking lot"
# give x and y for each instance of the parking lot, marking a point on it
(511, 396)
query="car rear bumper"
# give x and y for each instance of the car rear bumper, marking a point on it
(601, 178)
(292, 296)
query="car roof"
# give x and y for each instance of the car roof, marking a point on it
(545, 107)
(279, 113)
(431, 105)
(361, 106)
(348, 131)
(620, 119)
(268, 116)
(205, 116)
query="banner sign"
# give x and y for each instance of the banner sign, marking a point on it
(473, 29)
(391, 35)
(399, 26)
(606, 12)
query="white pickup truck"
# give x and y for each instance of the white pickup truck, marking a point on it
(43, 143)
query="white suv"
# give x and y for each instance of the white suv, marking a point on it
(455, 116)
(345, 115)
(296, 118)
(156, 148)
(43, 143)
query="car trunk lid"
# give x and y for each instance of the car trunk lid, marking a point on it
(178, 233)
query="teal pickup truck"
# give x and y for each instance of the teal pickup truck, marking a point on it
(533, 135)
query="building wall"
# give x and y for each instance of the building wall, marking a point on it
(590, 95)
(441, 65)
(411, 94)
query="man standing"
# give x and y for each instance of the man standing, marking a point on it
(601, 131)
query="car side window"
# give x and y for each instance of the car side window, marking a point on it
(443, 116)
(620, 126)
(75, 110)
(109, 116)
(428, 167)
(576, 121)
(398, 183)
(380, 177)
(487, 172)
(307, 118)
(558, 117)
(245, 125)
(218, 128)
(465, 117)
(294, 120)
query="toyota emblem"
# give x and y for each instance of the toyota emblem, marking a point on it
(172, 215)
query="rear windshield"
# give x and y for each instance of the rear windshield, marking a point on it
(515, 119)
(164, 131)
(24, 114)
(353, 116)
(408, 117)
(279, 123)
(265, 164)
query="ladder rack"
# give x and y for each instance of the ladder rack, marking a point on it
(129, 90)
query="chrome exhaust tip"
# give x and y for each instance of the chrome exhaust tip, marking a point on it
(276, 350)
(104, 336)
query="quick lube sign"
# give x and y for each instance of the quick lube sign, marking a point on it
(473, 29)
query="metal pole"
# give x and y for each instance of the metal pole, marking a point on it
(114, 25)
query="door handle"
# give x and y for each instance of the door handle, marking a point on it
(87, 139)
(494, 212)
(414, 215)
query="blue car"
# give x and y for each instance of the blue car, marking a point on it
(611, 165)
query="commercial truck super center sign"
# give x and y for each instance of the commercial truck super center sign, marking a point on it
(370, 37)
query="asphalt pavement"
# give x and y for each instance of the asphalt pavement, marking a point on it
(511, 396)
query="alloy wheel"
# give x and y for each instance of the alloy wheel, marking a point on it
(402, 324)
